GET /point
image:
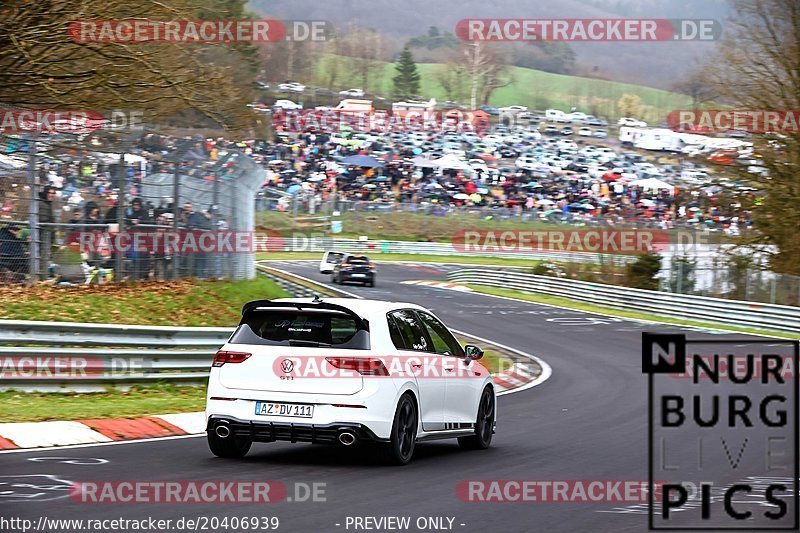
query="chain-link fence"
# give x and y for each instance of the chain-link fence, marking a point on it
(93, 208)
(723, 272)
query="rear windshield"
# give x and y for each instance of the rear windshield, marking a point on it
(334, 257)
(289, 327)
(358, 259)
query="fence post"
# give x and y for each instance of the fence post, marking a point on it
(176, 214)
(119, 264)
(33, 211)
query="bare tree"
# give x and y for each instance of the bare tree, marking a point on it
(364, 48)
(42, 67)
(485, 70)
(759, 69)
(698, 87)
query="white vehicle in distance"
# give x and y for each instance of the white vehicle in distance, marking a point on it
(585, 132)
(632, 122)
(288, 105)
(527, 162)
(513, 109)
(329, 261)
(292, 86)
(600, 133)
(346, 371)
(577, 116)
(353, 93)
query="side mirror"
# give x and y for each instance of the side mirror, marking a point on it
(473, 352)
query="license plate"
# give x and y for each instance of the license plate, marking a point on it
(359, 275)
(284, 409)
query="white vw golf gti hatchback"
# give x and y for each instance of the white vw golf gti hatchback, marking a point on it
(346, 371)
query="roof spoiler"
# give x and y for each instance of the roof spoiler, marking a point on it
(255, 304)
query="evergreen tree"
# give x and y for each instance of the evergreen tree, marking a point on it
(406, 81)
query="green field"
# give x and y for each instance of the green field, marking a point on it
(541, 90)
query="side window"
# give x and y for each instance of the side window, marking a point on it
(414, 337)
(395, 333)
(443, 340)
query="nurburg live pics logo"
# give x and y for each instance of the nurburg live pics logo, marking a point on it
(734, 420)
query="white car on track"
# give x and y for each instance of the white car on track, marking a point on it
(329, 261)
(346, 371)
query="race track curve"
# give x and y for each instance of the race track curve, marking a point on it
(588, 421)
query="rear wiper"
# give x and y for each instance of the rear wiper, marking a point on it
(309, 343)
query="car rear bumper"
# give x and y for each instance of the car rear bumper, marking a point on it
(365, 276)
(266, 431)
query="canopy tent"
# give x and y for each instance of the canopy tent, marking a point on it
(652, 184)
(450, 161)
(362, 161)
(423, 162)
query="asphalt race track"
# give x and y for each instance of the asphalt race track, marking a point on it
(588, 421)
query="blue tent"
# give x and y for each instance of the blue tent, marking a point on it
(362, 161)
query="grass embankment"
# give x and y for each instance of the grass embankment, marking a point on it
(157, 303)
(138, 401)
(174, 303)
(581, 306)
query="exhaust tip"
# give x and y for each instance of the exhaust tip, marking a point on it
(347, 438)
(223, 431)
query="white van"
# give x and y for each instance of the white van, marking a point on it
(329, 260)
(554, 114)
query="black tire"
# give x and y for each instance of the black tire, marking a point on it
(232, 447)
(404, 432)
(333, 279)
(372, 283)
(484, 424)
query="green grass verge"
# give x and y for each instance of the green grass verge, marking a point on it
(138, 401)
(425, 258)
(581, 306)
(172, 303)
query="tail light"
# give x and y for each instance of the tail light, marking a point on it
(371, 265)
(344, 264)
(366, 366)
(223, 357)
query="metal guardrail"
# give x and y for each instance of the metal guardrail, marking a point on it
(445, 248)
(76, 357)
(687, 307)
(69, 356)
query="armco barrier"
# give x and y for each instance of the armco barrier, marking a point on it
(699, 308)
(321, 244)
(118, 354)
